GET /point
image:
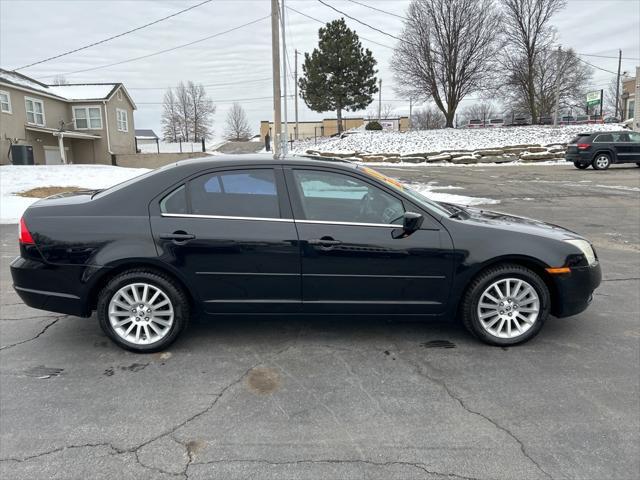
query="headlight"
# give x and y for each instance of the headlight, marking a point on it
(585, 248)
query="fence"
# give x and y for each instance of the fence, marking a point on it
(157, 146)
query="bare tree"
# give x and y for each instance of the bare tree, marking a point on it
(237, 123)
(59, 80)
(171, 118)
(573, 76)
(427, 118)
(185, 111)
(484, 111)
(528, 36)
(202, 111)
(611, 100)
(447, 51)
(387, 111)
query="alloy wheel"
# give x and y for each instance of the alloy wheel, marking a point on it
(602, 162)
(141, 313)
(508, 308)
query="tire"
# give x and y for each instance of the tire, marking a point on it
(601, 161)
(580, 166)
(143, 329)
(503, 332)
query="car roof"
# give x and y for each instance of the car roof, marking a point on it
(258, 159)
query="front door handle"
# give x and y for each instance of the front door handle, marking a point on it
(326, 242)
(178, 236)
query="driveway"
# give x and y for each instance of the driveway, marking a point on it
(346, 398)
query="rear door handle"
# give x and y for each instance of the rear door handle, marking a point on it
(324, 242)
(177, 236)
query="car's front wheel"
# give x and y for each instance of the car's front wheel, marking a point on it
(506, 305)
(581, 166)
(602, 161)
(142, 310)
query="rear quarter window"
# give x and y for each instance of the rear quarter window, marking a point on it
(175, 202)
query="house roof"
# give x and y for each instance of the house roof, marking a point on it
(145, 134)
(74, 92)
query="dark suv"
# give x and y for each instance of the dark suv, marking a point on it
(601, 149)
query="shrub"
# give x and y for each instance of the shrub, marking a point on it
(373, 126)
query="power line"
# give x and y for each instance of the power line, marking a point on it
(324, 23)
(360, 21)
(206, 85)
(379, 10)
(165, 50)
(595, 66)
(226, 100)
(606, 56)
(112, 37)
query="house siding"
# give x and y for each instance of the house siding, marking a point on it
(13, 127)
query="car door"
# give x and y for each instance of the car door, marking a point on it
(624, 147)
(351, 263)
(231, 234)
(634, 146)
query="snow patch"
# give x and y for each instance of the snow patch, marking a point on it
(429, 190)
(19, 178)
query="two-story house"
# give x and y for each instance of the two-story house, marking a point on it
(78, 123)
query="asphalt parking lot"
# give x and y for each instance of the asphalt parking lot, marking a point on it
(344, 398)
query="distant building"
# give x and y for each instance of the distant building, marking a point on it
(74, 123)
(146, 136)
(329, 127)
(628, 98)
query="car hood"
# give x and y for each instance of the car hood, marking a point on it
(513, 223)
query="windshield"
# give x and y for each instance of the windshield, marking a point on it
(417, 197)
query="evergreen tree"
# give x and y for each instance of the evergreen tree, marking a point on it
(339, 74)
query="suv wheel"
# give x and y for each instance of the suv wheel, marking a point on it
(506, 305)
(581, 166)
(602, 161)
(142, 311)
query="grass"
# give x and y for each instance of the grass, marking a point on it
(42, 192)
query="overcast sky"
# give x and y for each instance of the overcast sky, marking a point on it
(237, 65)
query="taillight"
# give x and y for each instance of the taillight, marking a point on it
(24, 236)
(583, 146)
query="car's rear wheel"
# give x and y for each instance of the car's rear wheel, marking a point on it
(581, 166)
(142, 310)
(602, 161)
(506, 305)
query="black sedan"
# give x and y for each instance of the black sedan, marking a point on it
(601, 149)
(256, 236)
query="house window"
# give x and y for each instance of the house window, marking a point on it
(631, 106)
(35, 111)
(87, 118)
(121, 120)
(5, 102)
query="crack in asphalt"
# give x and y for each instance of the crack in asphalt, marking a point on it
(6, 347)
(420, 370)
(417, 465)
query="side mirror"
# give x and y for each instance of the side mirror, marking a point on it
(411, 222)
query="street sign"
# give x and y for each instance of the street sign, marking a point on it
(594, 98)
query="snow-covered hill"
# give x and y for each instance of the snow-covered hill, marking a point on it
(435, 141)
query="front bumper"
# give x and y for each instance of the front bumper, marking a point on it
(48, 287)
(574, 292)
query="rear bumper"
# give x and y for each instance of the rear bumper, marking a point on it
(48, 287)
(575, 290)
(576, 157)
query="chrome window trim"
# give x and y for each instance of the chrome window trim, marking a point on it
(223, 217)
(288, 220)
(358, 224)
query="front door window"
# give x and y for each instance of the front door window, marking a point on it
(335, 197)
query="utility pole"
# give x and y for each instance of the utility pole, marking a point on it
(295, 89)
(275, 55)
(285, 137)
(618, 83)
(558, 75)
(410, 114)
(379, 100)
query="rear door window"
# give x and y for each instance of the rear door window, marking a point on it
(235, 193)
